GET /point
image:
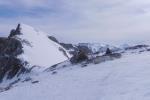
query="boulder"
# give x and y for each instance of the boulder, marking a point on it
(108, 51)
(79, 57)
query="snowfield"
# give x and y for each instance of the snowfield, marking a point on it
(127, 78)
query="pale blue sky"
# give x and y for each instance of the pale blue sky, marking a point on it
(110, 21)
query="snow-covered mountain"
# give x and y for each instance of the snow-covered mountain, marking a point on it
(27, 49)
(35, 66)
(38, 49)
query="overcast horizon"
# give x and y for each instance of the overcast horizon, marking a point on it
(109, 21)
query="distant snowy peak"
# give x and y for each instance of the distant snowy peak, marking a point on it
(38, 49)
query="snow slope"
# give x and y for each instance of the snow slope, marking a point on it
(127, 78)
(38, 49)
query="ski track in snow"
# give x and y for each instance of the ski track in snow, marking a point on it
(127, 78)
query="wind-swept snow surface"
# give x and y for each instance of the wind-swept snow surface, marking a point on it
(38, 49)
(127, 78)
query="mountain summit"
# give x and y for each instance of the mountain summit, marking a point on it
(27, 48)
(38, 49)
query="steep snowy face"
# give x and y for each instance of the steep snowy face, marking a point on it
(38, 49)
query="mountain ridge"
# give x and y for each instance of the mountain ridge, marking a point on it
(29, 58)
(27, 48)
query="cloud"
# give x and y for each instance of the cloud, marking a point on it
(23, 3)
(81, 20)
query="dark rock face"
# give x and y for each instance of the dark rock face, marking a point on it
(136, 47)
(10, 67)
(109, 55)
(108, 52)
(71, 49)
(10, 48)
(67, 46)
(85, 49)
(104, 58)
(53, 39)
(75, 48)
(14, 32)
(79, 57)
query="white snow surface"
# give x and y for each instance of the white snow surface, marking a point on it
(38, 49)
(127, 78)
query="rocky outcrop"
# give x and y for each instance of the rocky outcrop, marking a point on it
(108, 52)
(86, 49)
(79, 57)
(108, 57)
(136, 47)
(10, 66)
(14, 32)
(53, 39)
(10, 48)
(67, 46)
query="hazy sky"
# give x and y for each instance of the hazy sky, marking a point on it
(81, 20)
